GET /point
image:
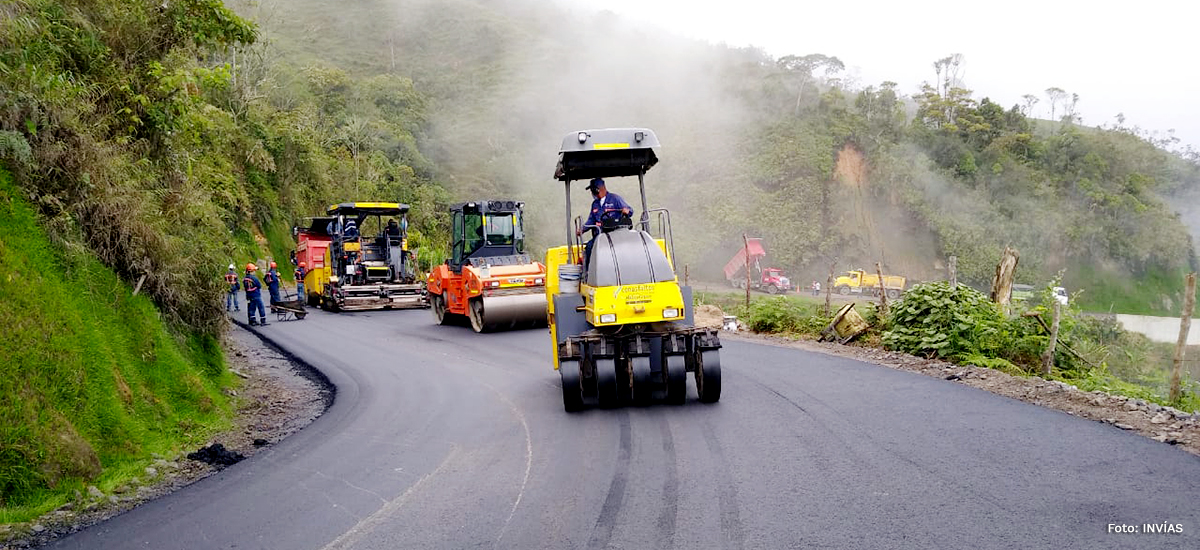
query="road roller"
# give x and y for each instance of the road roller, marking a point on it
(620, 322)
(488, 280)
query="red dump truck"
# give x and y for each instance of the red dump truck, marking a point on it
(770, 279)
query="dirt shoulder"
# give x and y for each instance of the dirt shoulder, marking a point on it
(1160, 423)
(275, 399)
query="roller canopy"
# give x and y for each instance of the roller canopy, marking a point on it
(606, 153)
(367, 208)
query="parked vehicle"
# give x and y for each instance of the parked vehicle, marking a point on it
(1021, 293)
(859, 281)
(769, 279)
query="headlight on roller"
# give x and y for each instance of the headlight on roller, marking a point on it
(670, 312)
(608, 318)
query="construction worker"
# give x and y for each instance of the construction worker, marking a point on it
(299, 274)
(253, 295)
(271, 277)
(606, 207)
(231, 297)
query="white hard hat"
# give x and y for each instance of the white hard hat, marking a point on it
(230, 266)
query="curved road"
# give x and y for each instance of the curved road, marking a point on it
(443, 438)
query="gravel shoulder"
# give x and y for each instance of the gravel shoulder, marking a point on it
(1163, 424)
(276, 398)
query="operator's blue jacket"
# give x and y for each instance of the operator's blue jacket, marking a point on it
(607, 208)
(272, 278)
(252, 286)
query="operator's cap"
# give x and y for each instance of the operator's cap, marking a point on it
(230, 266)
(596, 183)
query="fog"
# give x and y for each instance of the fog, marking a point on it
(500, 130)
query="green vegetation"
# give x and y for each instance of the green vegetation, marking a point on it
(963, 326)
(94, 381)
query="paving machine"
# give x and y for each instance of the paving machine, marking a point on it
(489, 278)
(367, 263)
(622, 328)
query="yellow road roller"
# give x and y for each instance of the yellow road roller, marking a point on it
(620, 322)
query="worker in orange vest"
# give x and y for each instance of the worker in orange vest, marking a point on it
(231, 298)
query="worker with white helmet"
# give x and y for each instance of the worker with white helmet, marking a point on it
(231, 291)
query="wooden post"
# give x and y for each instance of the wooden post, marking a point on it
(1048, 356)
(1185, 325)
(138, 287)
(829, 287)
(1003, 281)
(883, 305)
(952, 266)
(746, 240)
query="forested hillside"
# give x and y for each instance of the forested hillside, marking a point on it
(782, 148)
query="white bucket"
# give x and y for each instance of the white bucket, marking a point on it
(568, 278)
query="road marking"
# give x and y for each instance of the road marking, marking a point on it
(353, 535)
(528, 460)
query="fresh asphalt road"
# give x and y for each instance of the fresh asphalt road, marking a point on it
(443, 438)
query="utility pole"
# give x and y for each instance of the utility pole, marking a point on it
(953, 268)
(883, 305)
(1048, 356)
(829, 287)
(746, 240)
(1185, 325)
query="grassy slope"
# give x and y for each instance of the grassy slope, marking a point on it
(93, 381)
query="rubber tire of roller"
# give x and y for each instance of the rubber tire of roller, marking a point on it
(708, 376)
(606, 382)
(675, 378)
(643, 388)
(568, 369)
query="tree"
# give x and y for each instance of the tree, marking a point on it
(1030, 101)
(1056, 95)
(948, 71)
(802, 67)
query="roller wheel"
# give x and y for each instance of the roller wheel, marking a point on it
(437, 304)
(606, 382)
(643, 388)
(475, 309)
(708, 376)
(675, 375)
(572, 392)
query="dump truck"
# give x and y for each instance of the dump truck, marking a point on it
(621, 325)
(489, 279)
(366, 262)
(312, 240)
(860, 281)
(770, 279)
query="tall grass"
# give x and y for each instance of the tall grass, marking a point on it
(94, 381)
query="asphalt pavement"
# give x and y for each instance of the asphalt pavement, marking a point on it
(442, 438)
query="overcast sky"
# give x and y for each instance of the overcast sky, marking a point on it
(1137, 58)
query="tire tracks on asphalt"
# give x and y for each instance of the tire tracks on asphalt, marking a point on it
(603, 530)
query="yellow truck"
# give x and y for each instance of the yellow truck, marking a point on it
(860, 281)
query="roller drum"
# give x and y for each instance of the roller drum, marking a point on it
(510, 311)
